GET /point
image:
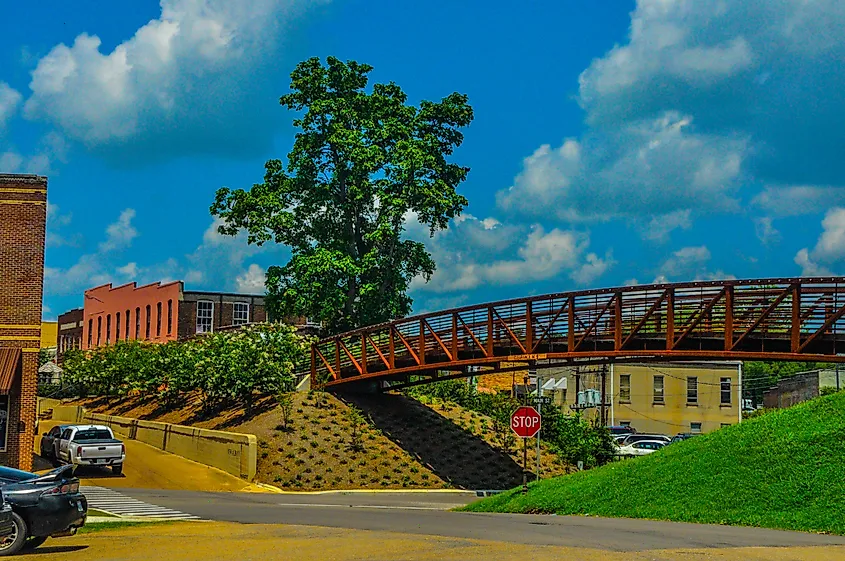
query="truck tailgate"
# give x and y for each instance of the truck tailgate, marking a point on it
(104, 450)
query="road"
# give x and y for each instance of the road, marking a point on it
(426, 513)
(148, 467)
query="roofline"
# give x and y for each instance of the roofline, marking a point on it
(234, 294)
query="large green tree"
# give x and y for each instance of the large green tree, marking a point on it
(363, 161)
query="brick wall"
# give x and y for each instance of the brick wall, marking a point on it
(23, 206)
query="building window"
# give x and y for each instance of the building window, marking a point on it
(695, 428)
(205, 313)
(726, 391)
(147, 329)
(658, 389)
(137, 323)
(117, 327)
(90, 331)
(126, 337)
(99, 329)
(692, 390)
(4, 421)
(624, 423)
(240, 314)
(169, 317)
(625, 388)
(108, 329)
(158, 319)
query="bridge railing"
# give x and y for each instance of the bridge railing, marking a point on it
(783, 319)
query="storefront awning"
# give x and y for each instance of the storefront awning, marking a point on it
(10, 360)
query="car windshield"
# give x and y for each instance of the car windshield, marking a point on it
(92, 434)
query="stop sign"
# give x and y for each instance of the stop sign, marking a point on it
(525, 422)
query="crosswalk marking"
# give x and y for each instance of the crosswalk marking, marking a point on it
(110, 500)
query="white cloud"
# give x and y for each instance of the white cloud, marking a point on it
(689, 264)
(593, 268)
(659, 227)
(56, 222)
(119, 235)
(766, 231)
(51, 148)
(505, 256)
(201, 77)
(704, 102)
(659, 167)
(251, 281)
(810, 268)
(797, 200)
(9, 100)
(829, 249)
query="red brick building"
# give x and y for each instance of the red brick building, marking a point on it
(161, 312)
(69, 333)
(23, 215)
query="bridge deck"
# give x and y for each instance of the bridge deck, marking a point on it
(763, 319)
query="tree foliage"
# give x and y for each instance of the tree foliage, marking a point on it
(224, 367)
(363, 161)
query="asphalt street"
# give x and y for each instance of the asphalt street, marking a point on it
(427, 514)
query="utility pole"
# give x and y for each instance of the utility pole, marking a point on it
(604, 395)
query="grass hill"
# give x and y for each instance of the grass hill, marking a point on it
(784, 469)
(403, 443)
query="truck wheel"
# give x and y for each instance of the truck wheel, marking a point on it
(34, 542)
(14, 542)
(117, 469)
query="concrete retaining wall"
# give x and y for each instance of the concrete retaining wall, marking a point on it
(231, 452)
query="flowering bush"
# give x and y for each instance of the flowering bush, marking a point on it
(224, 366)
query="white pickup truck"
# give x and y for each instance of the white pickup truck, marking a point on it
(90, 445)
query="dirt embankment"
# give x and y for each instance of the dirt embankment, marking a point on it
(403, 444)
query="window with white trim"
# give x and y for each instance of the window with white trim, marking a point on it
(205, 315)
(240, 313)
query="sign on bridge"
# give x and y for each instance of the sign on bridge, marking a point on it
(525, 422)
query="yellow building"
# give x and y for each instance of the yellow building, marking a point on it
(663, 398)
(49, 334)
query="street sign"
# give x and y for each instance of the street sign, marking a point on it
(545, 400)
(525, 422)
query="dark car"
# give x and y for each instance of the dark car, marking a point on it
(620, 430)
(681, 436)
(43, 506)
(49, 440)
(7, 526)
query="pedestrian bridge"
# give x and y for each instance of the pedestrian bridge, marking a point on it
(790, 319)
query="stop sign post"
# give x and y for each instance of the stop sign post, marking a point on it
(525, 422)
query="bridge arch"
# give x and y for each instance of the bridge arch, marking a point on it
(789, 319)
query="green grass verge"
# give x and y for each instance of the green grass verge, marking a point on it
(119, 524)
(785, 469)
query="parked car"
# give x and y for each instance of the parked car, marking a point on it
(42, 506)
(641, 448)
(91, 445)
(7, 525)
(621, 430)
(632, 438)
(50, 443)
(617, 440)
(683, 436)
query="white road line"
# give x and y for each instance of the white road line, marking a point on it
(111, 501)
(386, 507)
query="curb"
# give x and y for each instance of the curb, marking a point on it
(376, 491)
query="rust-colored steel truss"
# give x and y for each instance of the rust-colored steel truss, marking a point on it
(764, 319)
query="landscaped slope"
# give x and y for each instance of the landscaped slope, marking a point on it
(785, 469)
(403, 443)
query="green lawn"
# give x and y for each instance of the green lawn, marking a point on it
(120, 524)
(785, 469)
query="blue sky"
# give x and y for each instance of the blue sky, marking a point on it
(659, 139)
